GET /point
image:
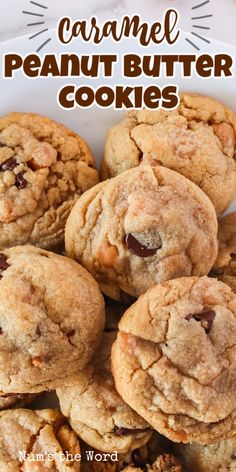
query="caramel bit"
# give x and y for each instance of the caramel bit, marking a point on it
(226, 134)
(107, 254)
(43, 156)
(36, 361)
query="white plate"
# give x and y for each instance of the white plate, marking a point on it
(39, 96)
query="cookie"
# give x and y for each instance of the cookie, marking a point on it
(44, 167)
(197, 140)
(174, 359)
(145, 226)
(164, 463)
(95, 410)
(225, 266)
(37, 441)
(220, 457)
(51, 319)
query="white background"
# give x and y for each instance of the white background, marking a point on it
(13, 22)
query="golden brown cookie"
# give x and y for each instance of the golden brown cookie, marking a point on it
(37, 441)
(219, 457)
(145, 226)
(44, 167)
(174, 359)
(197, 140)
(95, 410)
(51, 319)
(225, 266)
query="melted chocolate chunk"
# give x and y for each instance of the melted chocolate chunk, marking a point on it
(38, 331)
(1, 331)
(139, 249)
(206, 317)
(233, 256)
(126, 431)
(3, 262)
(20, 181)
(9, 164)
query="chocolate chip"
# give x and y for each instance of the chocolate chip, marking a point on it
(38, 331)
(139, 249)
(37, 361)
(126, 431)
(3, 262)
(9, 164)
(1, 331)
(206, 317)
(233, 256)
(20, 181)
(233, 457)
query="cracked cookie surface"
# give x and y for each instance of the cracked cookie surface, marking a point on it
(219, 457)
(44, 167)
(197, 140)
(174, 359)
(51, 319)
(96, 411)
(42, 432)
(145, 226)
(225, 266)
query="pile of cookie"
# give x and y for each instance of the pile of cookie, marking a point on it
(119, 295)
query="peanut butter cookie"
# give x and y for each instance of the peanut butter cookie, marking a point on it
(145, 226)
(174, 359)
(219, 457)
(51, 319)
(44, 167)
(37, 441)
(95, 410)
(225, 266)
(197, 140)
